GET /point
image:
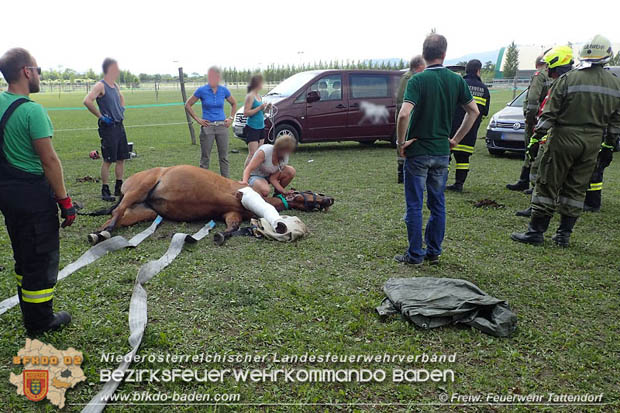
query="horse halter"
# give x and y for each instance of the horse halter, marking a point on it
(310, 202)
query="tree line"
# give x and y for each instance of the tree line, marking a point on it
(276, 73)
(69, 75)
(272, 73)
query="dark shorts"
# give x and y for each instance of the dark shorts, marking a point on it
(114, 145)
(253, 135)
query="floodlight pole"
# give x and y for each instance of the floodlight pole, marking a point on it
(192, 133)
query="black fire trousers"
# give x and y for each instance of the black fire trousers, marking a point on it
(462, 165)
(594, 192)
(31, 218)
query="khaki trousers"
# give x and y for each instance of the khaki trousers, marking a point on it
(219, 134)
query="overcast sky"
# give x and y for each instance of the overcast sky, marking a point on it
(148, 36)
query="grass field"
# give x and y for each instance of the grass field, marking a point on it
(319, 295)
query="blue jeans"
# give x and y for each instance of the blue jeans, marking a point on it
(430, 172)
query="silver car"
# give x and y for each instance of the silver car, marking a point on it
(506, 130)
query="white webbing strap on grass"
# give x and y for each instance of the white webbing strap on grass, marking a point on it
(92, 255)
(138, 315)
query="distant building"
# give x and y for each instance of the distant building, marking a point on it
(527, 57)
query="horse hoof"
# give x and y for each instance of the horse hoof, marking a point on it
(219, 239)
(92, 239)
(98, 237)
(281, 228)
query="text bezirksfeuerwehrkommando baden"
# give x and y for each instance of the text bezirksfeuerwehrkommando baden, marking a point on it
(287, 375)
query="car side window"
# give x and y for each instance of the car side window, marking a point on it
(369, 86)
(328, 87)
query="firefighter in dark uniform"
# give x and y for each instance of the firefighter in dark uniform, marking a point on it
(535, 94)
(583, 103)
(31, 183)
(558, 60)
(416, 65)
(465, 149)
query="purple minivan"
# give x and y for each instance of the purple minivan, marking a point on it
(332, 105)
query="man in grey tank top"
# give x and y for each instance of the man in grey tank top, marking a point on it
(110, 112)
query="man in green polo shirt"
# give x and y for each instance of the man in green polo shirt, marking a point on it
(423, 128)
(31, 184)
(416, 65)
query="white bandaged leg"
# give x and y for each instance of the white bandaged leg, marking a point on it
(252, 201)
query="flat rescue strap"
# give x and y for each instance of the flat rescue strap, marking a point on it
(138, 311)
(92, 255)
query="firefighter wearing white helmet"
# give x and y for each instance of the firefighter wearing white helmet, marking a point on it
(597, 51)
(582, 104)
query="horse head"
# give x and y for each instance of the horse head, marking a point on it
(308, 201)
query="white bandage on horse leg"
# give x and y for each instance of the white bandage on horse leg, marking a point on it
(252, 201)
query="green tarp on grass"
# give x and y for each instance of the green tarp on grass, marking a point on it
(431, 302)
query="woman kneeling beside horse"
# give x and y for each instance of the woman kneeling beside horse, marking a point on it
(269, 165)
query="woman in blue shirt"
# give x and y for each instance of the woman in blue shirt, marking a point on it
(254, 110)
(214, 124)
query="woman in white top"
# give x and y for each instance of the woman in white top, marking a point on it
(269, 165)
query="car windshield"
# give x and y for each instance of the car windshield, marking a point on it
(292, 84)
(518, 102)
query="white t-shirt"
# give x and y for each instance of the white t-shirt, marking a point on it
(268, 168)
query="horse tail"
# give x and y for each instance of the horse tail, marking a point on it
(103, 211)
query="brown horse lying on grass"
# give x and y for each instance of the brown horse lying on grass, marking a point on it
(189, 193)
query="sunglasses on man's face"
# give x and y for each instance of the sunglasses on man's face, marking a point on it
(35, 68)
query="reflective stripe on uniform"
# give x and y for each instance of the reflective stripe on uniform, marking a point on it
(532, 106)
(19, 279)
(464, 148)
(480, 100)
(544, 125)
(594, 89)
(542, 200)
(570, 202)
(462, 166)
(613, 130)
(38, 296)
(596, 186)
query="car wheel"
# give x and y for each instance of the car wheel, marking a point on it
(283, 129)
(496, 152)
